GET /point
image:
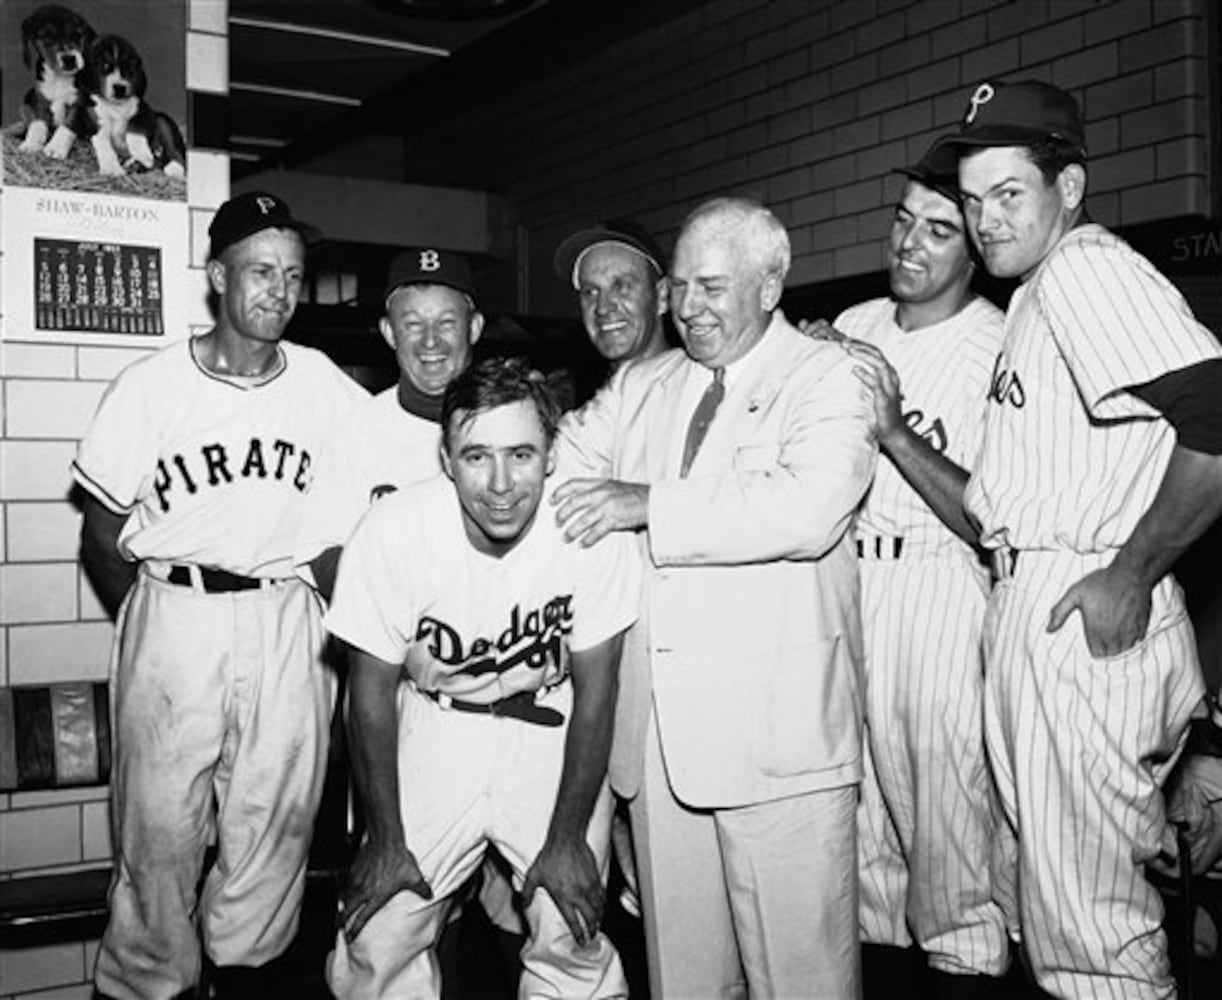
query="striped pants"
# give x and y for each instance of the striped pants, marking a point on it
(1080, 747)
(927, 811)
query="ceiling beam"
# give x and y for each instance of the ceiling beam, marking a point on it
(334, 34)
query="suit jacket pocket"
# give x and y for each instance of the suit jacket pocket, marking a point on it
(812, 719)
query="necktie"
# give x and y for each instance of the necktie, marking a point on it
(701, 418)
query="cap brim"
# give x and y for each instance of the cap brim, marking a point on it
(948, 187)
(310, 234)
(407, 282)
(574, 246)
(1006, 135)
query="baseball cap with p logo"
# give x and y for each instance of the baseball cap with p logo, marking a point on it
(1018, 114)
(249, 213)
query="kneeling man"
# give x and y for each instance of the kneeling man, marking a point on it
(509, 642)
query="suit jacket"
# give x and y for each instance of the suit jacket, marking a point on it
(750, 640)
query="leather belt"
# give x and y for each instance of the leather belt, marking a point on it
(215, 581)
(520, 706)
(880, 547)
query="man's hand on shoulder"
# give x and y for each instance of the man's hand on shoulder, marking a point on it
(819, 329)
(874, 371)
(568, 872)
(590, 509)
(377, 874)
(1115, 607)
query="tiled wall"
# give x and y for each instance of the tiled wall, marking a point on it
(808, 103)
(51, 624)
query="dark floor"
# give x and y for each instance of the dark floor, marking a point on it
(478, 962)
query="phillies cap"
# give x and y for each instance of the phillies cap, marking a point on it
(938, 170)
(427, 266)
(619, 232)
(1018, 114)
(249, 213)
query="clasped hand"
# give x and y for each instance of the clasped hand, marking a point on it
(568, 872)
(377, 874)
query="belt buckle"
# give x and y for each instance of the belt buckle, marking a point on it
(1005, 560)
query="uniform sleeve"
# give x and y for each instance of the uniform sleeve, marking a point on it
(585, 440)
(607, 594)
(373, 607)
(980, 347)
(116, 460)
(1118, 322)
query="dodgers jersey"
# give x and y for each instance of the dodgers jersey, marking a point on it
(944, 372)
(379, 448)
(210, 470)
(1070, 459)
(412, 589)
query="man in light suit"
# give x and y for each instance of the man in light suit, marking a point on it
(742, 458)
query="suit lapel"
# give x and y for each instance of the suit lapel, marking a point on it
(664, 420)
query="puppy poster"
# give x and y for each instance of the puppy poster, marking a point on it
(94, 166)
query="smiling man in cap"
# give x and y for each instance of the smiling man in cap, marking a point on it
(1101, 463)
(618, 273)
(432, 324)
(925, 820)
(194, 470)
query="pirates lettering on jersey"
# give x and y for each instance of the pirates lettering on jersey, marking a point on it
(1006, 387)
(215, 465)
(534, 638)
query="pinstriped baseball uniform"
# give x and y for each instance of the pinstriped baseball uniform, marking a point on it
(1070, 462)
(925, 823)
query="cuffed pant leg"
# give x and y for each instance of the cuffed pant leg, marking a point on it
(168, 725)
(689, 930)
(791, 869)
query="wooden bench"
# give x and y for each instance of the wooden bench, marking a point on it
(54, 736)
(58, 736)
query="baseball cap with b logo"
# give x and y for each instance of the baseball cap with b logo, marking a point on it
(1018, 114)
(249, 213)
(429, 266)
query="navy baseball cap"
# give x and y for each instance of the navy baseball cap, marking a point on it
(1019, 114)
(938, 170)
(249, 213)
(429, 266)
(619, 232)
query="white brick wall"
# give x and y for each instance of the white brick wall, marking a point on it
(52, 627)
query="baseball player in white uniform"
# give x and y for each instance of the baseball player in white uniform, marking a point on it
(432, 323)
(510, 640)
(195, 467)
(1100, 464)
(925, 820)
(393, 440)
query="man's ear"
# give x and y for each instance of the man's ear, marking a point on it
(216, 275)
(662, 289)
(388, 332)
(446, 467)
(1072, 182)
(476, 327)
(551, 458)
(770, 291)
